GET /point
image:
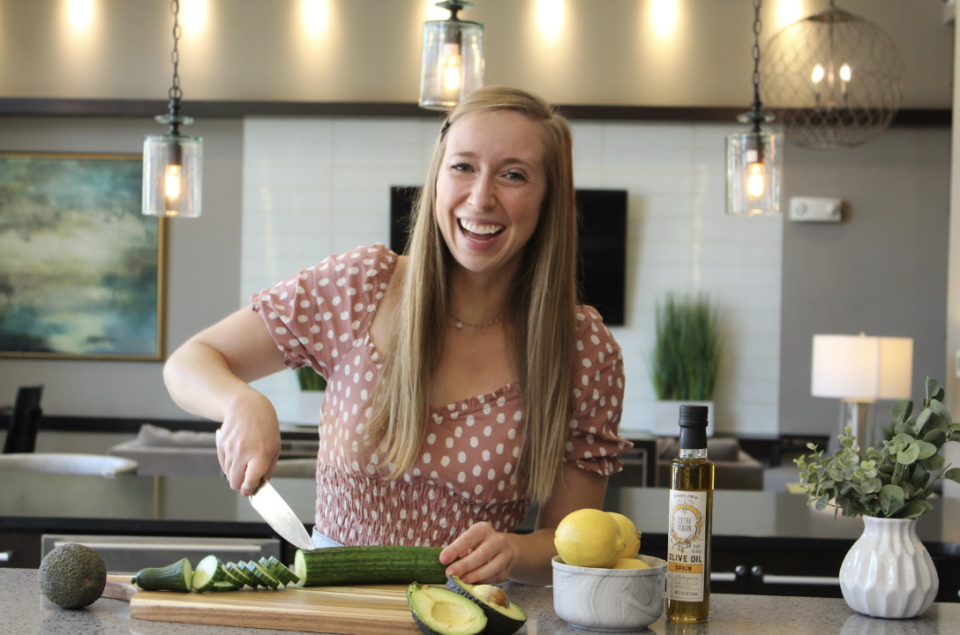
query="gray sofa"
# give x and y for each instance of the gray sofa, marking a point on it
(734, 468)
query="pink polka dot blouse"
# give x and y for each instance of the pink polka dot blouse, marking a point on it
(467, 472)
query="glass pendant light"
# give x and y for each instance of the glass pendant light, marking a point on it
(452, 65)
(754, 158)
(172, 163)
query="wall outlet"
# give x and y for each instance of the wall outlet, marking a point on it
(808, 209)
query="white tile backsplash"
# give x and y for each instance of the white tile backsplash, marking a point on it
(313, 187)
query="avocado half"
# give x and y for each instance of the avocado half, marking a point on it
(503, 616)
(438, 611)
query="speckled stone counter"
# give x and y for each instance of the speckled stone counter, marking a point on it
(24, 610)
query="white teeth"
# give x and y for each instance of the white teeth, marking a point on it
(480, 229)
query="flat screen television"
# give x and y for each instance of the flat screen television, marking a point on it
(602, 245)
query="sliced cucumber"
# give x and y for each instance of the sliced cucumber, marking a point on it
(267, 578)
(173, 577)
(280, 572)
(207, 574)
(241, 572)
(223, 585)
(231, 577)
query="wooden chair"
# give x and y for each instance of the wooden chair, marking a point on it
(24, 421)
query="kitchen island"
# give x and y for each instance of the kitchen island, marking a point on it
(26, 611)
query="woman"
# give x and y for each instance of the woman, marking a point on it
(424, 437)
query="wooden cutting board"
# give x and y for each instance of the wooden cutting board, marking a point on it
(357, 610)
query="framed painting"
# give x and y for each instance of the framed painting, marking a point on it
(81, 269)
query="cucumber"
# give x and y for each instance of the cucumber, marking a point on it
(383, 564)
(231, 577)
(241, 572)
(223, 585)
(207, 574)
(266, 578)
(279, 571)
(177, 576)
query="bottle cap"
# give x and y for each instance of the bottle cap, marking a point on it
(693, 427)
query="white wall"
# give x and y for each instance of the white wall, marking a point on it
(313, 187)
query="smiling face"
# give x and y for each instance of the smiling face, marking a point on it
(490, 189)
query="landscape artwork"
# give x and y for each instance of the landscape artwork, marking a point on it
(81, 269)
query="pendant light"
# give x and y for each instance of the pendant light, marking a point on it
(172, 162)
(754, 158)
(452, 64)
(834, 80)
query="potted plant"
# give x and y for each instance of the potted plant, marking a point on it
(312, 386)
(686, 359)
(889, 488)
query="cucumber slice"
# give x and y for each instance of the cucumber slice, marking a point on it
(223, 585)
(263, 575)
(241, 571)
(231, 577)
(277, 570)
(207, 574)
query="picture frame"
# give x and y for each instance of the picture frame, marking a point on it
(82, 271)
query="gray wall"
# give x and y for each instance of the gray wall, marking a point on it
(882, 271)
(203, 267)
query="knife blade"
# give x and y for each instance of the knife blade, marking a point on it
(273, 509)
(271, 506)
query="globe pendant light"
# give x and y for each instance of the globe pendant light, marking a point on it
(754, 158)
(834, 80)
(172, 162)
(452, 63)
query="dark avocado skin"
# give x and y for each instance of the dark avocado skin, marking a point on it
(500, 621)
(72, 576)
(414, 593)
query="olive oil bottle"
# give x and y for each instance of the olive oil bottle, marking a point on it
(691, 521)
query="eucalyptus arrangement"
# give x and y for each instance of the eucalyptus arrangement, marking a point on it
(894, 482)
(686, 357)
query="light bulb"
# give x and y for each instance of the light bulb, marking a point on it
(756, 180)
(817, 75)
(845, 73)
(451, 67)
(171, 182)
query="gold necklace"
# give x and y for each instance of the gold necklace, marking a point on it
(457, 322)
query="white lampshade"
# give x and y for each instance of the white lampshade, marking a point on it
(861, 368)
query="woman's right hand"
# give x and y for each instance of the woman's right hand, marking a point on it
(248, 443)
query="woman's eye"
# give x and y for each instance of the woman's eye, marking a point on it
(515, 175)
(460, 167)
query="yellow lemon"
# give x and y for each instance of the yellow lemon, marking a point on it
(588, 538)
(630, 563)
(630, 535)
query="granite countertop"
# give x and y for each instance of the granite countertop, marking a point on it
(26, 611)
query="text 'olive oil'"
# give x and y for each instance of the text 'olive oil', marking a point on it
(691, 521)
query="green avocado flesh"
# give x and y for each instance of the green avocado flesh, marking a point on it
(72, 576)
(502, 620)
(441, 612)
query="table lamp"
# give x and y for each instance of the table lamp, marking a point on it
(858, 370)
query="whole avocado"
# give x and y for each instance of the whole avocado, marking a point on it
(73, 576)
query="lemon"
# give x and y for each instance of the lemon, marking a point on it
(588, 538)
(630, 535)
(630, 563)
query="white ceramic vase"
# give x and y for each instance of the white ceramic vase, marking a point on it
(888, 572)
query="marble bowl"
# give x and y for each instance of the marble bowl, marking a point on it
(613, 600)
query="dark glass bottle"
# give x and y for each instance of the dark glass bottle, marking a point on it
(691, 521)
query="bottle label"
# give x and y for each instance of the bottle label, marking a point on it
(687, 546)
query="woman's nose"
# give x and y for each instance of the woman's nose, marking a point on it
(482, 193)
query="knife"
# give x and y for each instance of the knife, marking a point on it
(271, 506)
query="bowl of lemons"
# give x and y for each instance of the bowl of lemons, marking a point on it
(601, 581)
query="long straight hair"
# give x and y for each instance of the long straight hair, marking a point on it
(543, 301)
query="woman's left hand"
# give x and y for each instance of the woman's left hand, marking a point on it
(486, 556)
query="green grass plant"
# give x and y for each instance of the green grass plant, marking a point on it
(686, 357)
(310, 380)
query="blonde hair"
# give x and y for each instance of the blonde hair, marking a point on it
(544, 297)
